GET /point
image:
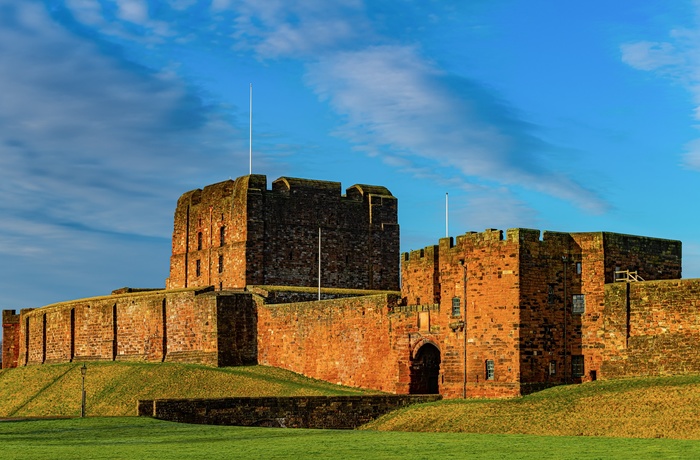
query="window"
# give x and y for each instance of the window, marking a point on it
(579, 304)
(489, 369)
(198, 269)
(577, 365)
(552, 367)
(455, 306)
(222, 235)
(221, 263)
(578, 268)
(199, 241)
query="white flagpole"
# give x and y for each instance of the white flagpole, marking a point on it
(447, 216)
(250, 141)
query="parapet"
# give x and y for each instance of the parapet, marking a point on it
(357, 191)
(294, 184)
(522, 234)
(10, 317)
(427, 252)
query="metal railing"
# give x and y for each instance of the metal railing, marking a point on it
(627, 276)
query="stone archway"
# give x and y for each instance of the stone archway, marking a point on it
(425, 370)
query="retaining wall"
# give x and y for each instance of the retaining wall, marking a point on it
(335, 412)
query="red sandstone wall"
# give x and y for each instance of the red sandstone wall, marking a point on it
(656, 326)
(10, 338)
(420, 277)
(205, 212)
(492, 313)
(492, 310)
(347, 341)
(549, 332)
(58, 336)
(188, 333)
(520, 302)
(191, 332)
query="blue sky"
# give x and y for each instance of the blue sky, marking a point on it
(564, 116)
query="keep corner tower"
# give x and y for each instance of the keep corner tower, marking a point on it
(238, 233)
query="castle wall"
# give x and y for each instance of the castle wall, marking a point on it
(549, 331)
(653, 328)
(481, 271)
(652, 258)
(181, 326)
(271, 236)
(351, 341)
(420, 276)
(10, 341)
(535, 306)
(492, 313)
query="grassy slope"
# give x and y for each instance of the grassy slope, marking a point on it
(649, 407)
(666, 407)
(114, 388)
(138, 437)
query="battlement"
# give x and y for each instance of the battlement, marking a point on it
(237, 233)
(296, 185)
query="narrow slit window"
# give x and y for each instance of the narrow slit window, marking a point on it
(490, 369)
(456, 310)
(577, 366)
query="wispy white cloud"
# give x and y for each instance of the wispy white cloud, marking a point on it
(397, 102)
(133, 10)
(650, 55)
(403, 105)
(90, 141)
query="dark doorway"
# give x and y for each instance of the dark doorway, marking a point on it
(425, 370)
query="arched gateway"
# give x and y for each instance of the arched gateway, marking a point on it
(425, 370)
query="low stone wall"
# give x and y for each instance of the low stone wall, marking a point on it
(333, 412)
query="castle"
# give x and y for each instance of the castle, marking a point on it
(305, 278)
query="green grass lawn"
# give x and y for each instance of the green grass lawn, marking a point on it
(114, 387)
(137, 438)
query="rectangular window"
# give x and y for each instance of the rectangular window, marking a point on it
(198, 269)
(552, 367)
(490, 369)
(577, 366)
(578, 268)
(199, 241)
(455, 307)
(578, 306)
(221, 263)
(222, 235)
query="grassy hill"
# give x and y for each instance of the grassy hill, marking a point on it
(667, 407)
(113, 388)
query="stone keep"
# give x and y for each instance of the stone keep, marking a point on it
(237, 233)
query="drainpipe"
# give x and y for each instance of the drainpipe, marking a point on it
(564, 261)
(464, 334)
